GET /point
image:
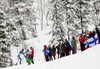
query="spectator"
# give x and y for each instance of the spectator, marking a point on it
(81, 40)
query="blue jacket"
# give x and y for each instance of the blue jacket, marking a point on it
(21, 52)
(46, 52)
(71, 43)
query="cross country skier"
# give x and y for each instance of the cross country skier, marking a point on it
(19, 56)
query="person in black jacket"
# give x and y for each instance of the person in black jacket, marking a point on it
(67, 47)
(98, 33)
(93, 33)
(58, 49)
(50, 53)
(54, 51)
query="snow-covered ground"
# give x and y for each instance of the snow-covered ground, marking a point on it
(89, 59)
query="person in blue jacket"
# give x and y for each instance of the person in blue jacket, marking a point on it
(46, 51)
(19, 56)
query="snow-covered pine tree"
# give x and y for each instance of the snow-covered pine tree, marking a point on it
(23, 16)
(81, 9)
(69, 19)
(95, 13)
(58, 31)
(5, 53)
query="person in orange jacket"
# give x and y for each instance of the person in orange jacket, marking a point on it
(81, 40)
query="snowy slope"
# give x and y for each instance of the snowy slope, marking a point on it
(38, 44)
(89, 59)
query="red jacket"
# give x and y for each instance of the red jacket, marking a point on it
(89, 35)
(32, 53)
(81, 39)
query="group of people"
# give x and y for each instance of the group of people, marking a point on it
(62, 49)
(29, 54)
(89, 35)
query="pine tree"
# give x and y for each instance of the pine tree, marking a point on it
(58, 31)
(95, 13)
(70, 17)
(82, 10)
(5, 53)
(23, 16)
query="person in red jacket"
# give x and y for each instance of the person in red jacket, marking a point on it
(31, 54)
(89, 34)
(81, 40)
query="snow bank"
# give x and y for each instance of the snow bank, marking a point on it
(89, 59)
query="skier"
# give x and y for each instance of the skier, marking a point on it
(67, 47)
(31, 54)
(81, 40)
(19, 56)
(46, 53)
(27, 57)
(54, 52)
(73, 45)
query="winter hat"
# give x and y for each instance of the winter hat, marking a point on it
(45, 46)
(28, 50)
(66, 39)
(22, 49)
(81, 34)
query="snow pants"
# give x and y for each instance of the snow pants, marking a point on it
(19, 59)
(28, 61)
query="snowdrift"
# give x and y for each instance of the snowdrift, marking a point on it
(89, 59)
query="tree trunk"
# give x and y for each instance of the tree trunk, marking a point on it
(68, 35)
(22, 30)
(24, 35)
(41, 20)
(41, 15)
(81, 17)
(47, 18)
